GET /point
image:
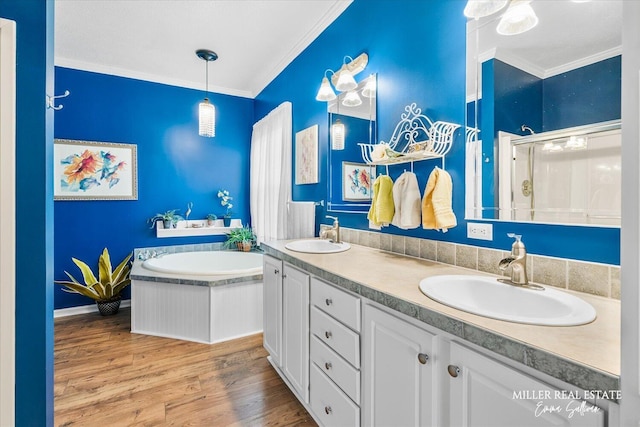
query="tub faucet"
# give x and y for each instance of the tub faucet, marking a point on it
(517, 261)
(333, 233)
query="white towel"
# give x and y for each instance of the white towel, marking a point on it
(302, 220)
(406, 198)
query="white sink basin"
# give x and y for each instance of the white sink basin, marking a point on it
(488, 297)
(317, 246)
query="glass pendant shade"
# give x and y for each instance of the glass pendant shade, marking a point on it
(479, 8)
(325, 93)
(346, 82)
(520, 17)
(337, 135)
(351, 99)
(207, 119)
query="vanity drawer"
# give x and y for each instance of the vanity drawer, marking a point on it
(330, 405)
(339, 304)
(335, 367)
(337, 336)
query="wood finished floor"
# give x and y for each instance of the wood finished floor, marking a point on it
(105, 376)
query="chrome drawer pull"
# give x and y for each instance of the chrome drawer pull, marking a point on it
(328, 301)
(454, 371)
(422, 358)
(327, 366)
(327, 334)
(327, 409)
(276, 271)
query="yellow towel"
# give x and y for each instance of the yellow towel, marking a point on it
(382, 207)
(436, 203)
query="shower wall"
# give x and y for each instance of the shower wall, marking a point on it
(554, 182)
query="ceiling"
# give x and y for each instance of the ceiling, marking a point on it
(156, 40)
(569, 34)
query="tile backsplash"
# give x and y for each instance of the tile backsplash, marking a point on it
(589, 277)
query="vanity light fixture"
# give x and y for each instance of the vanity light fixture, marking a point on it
(576, 143)
(351, 99)
(369, 90)
(480, 8)
(326, 93)
(337, 135)
(343, 80)
(518, 18)
(206, 110)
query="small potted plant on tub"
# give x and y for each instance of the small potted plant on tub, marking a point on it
(169, 219)
(242, 238)
(105, 290)
(211, 218)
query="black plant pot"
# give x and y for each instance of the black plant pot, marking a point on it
(109, 307)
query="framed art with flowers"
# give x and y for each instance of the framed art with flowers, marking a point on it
(356, 181)
(88, 170)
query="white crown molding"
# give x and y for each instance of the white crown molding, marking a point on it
(583, 62)
(263, 79)
(122, 72)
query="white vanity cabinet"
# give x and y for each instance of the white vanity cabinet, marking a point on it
(286, 322)
(272, 307)
(484, 392)
(398, 371)
(335, 355)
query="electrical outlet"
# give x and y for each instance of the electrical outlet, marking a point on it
(480, 230)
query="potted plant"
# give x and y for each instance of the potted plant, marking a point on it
(107, 288)
(225, 201)
(169, 219)
(211, 218)
(242, 238)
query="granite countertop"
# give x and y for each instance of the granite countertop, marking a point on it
(587, 356)
(138, 272)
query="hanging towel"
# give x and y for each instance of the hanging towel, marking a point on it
(382, 208)
(302, 220)
(406, 199)
(436, 203)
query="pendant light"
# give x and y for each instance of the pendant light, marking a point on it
(206, 110)
(337, 135)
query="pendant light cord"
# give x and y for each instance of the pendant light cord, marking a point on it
(207, 79)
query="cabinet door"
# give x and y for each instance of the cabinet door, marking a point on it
(397, 371)
(295, 329)
(487, 393)
(272, 307)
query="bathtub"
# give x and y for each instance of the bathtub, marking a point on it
(206, 297)
(207, 263)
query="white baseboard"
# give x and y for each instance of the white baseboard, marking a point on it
(83, 309)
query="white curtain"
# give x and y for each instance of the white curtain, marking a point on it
(270, 181)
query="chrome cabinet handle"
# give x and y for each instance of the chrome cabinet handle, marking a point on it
(284, 276)
(453, 370)
(327, 410)
(327, 334)
(422, 358)
(276, 271)
(327, 365)
(328, 301)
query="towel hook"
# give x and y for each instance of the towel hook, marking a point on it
(51, 100)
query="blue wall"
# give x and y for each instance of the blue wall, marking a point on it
(175, 165)
(417, 49)
(589, 94)
(34, 198)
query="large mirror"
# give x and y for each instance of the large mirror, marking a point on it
(352, 120)
(543, 116)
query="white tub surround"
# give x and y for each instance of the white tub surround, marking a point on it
(196, 307)
(207, 263)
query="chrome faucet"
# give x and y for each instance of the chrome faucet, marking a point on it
(517, 261)
(333, 233)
